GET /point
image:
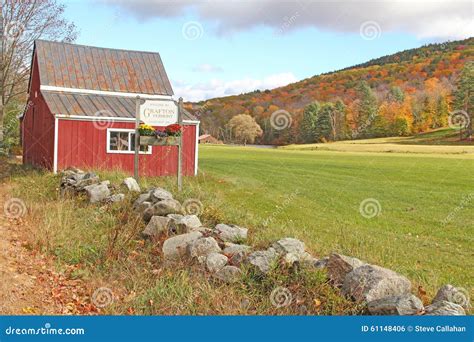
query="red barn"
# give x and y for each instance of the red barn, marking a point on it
(81, 110)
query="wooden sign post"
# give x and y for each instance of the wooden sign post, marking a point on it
(137, 139)
(159, 113)
(180, 145)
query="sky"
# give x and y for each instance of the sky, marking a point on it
(218, 48)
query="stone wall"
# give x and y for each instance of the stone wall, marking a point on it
(223, 252)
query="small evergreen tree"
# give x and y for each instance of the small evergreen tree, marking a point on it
(323, 123)
(308, 123)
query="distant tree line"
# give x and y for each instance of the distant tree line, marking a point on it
(361, 111)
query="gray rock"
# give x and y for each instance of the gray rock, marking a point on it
(263, 261)
(370, 282)
(338, 266)
(144, 206)
(97, 192)
(291, 259)
(289, 245)
(238, 258)
(444, 308)
(183, 224)
(215, 261)
(233, 248)
(106, 182)
(87, 180)
(407, 304)
(142, 198)
(175, 248)
(452, 294)
(168, 206)
(158, 225)
(162, 208)
(202, 246)
(321, 263)
(231, 233)
(131, 184)
(229, 274)
(115, 198)
(159, 194)
(204, 230)
(236, 253)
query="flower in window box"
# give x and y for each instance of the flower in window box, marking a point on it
(146, 130)
(173, 130)
(160, 134)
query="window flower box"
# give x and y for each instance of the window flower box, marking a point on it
(159, 141)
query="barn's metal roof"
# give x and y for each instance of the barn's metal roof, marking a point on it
(77, 104)
(86, 67)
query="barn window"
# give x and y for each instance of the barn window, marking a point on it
(121, 140)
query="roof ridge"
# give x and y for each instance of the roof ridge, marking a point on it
(94, 47)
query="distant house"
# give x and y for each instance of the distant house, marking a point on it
(208, 139)
(81, 110)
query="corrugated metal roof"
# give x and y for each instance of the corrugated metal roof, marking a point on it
(86, 67)
(77, 104)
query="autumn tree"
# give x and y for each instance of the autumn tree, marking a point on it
(24, 21)
(308, 123)
(464, 95)
(339, 125)
(366, 108)
(244, 128)
(396, 94)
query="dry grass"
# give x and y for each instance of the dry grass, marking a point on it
(104, 244)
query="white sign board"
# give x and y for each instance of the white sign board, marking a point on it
(159, 113)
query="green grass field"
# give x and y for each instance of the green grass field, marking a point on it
(316, 195)
(441, 141)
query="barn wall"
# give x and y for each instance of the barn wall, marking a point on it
(83, 144)
(37, 127)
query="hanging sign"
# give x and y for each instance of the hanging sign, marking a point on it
(159, 113)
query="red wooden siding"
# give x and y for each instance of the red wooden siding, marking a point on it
(37, 127)
(83, 144)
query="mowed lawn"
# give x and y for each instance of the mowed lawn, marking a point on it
(425, 228)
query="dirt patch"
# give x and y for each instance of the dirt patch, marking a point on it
(30, 283)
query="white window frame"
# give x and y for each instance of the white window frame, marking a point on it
(127, 130)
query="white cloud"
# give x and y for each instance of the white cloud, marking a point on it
(207, 68)
(219, 88)
(439, 19)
